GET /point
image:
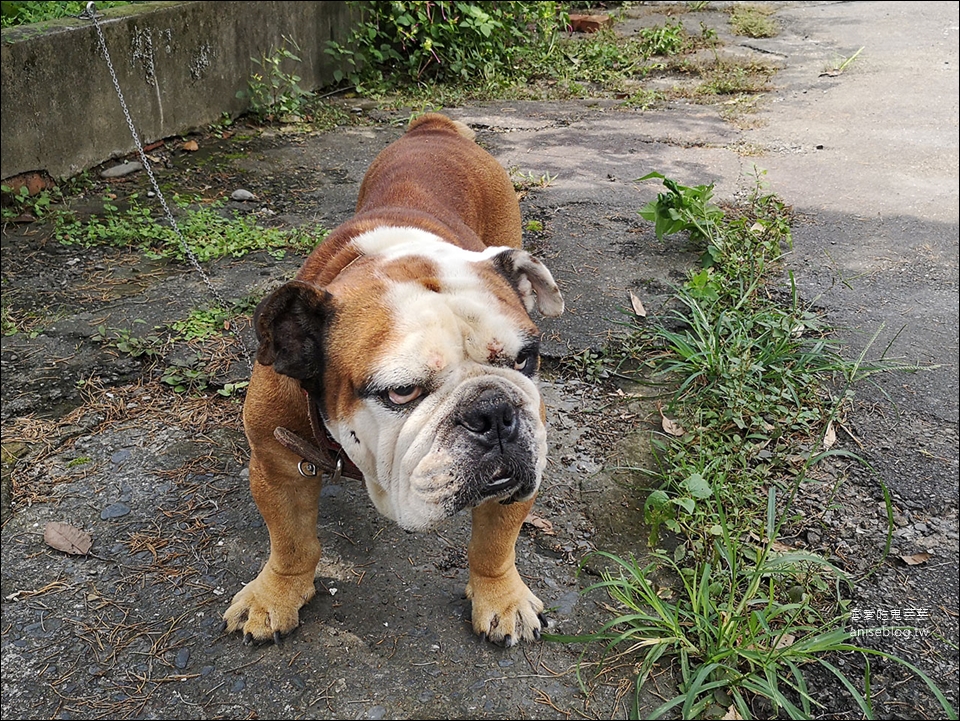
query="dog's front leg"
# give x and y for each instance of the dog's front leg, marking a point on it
(504, 609)
(269, 606)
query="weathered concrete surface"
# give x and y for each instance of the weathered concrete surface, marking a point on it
(131, 630)
(179, 64)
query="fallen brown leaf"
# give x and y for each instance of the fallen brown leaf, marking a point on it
(915, 559)
(829, 437)
(542, 523)
(637, 305)
(671, 427)
(191, 146)
(66, 538)
(732, 714)
(786, 640)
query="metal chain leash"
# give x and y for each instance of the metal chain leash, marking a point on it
(90, 13)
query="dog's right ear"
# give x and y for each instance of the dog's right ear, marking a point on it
(291, 324)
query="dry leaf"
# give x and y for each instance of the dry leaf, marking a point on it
(671, 427)
(732, 714)
(191, 146)
(66, 538)
(916, 559)
(542, 523)
(830, 437)
(781, 547)
(786, 640)
(637, 305)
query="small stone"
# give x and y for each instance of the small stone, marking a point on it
(119, 171)
(114, 510)
(242, 195)
(120, 456)
(182, 658)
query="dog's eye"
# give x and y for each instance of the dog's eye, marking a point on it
(402, 394)
(526, 362)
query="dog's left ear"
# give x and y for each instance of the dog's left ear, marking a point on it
(531, 279)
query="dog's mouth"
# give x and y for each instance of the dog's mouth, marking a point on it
(503, 485)
(506, 490)
(500, 485)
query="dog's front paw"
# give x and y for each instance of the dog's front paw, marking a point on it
(504, 609)
(269, 606)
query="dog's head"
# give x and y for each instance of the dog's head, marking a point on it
(422, 357)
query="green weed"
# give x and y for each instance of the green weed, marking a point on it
(30, 323)
(448, 52)
(417, 42)
(275, 92)
(122, 340)
(682, 208)
(754, 374)
(589, 364)
(666, 39)
(208, 233)
(24, 12)
(753, 21)
(201, 324)
(529, 180)
(20, 202)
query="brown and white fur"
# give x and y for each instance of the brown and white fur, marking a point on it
(409, 328)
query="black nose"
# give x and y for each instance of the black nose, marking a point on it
(491, 419)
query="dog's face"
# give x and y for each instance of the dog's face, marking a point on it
(422, 357)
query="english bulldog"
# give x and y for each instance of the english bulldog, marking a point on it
(403, 353)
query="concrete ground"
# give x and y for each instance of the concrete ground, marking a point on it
(869, 161)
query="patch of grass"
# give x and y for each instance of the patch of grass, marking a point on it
(733, 78)
(274, 91)
(840, 64)
(24, 12)
(644, 99)
(418, 42)
(592, 365)
(123, 341)
(201, 324)
(208, 232)
(206, 323)
(753, 21)
(29, 323)
(733, 610)
(530, 180)
(450, 52)
(18, 203)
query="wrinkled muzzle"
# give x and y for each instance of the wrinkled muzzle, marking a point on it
(489, 444)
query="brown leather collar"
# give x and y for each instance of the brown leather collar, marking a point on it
(324, 455)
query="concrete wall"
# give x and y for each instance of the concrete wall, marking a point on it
(180, 65)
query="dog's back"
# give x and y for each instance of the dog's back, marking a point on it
(436, 168)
